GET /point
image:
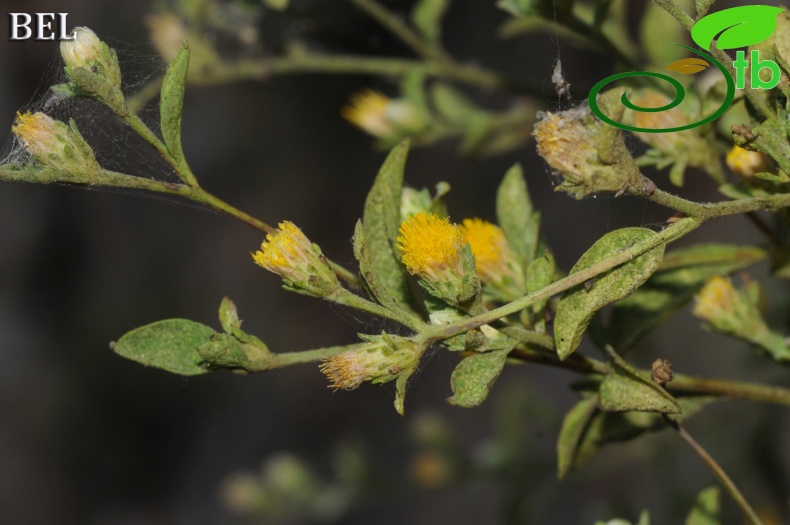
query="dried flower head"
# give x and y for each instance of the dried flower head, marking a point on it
(382, 359)
(382, 116)
(291, 255)
(494, 259)
(56, 144)
(433, 249)
(746, 163)
(589, 156)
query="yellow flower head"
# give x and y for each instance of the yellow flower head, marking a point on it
(381, 116)
(431, 245)
(55, 143)
(433, 248)
(382, 359)
(494, 259)
(291, 255)
(746, 163)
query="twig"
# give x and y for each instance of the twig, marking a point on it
(719, 472)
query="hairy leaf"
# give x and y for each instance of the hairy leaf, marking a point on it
(381, 220)
(474, 376)
(581, 302)
(516, 216)
(624, 389)
(171, 345)
(575, 423)
(172, 103)
(681, 274)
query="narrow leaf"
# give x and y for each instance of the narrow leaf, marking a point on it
(381, 220)
(706, 509)
(374, 286)
(736, 27)
(172, 103)
(170, 345)
(580, 303)
(573, 427)
(474, 376)
(427, 18)
(516, 216)
(624, 389)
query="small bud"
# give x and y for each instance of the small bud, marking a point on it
(433, 249)
(382, 359)
(746, 163)
(589, 155)
(382, 116)
(92, 68)
(495, 261)
(735, 312)
(56, 145)
(291, 255)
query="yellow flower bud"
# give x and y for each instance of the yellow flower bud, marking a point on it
(56, 144)
(746, 163)
(382, 116)
(291, 255)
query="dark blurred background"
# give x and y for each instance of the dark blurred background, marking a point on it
(87, 437)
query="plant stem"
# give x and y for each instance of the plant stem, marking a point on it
(346, 298)
(397, 27)
(712, 210)
(730, 389)
(719, 472)
(671, 233)
(673, 9)
(308, 356)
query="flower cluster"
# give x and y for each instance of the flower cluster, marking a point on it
(494, 259)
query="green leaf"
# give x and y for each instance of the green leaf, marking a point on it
(736, 27)
(706, 509)
(516, 216)
(172, 103)
(455, 107)
(229, 315)
(624, 389)
(372, 283)
(580, 303)
(427, 18)
(540, 274)
(474, 376)
(170, 345)
(575, 423)
(381, 221)
(615, 427)
(680, 276)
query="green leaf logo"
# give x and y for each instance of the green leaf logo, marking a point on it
(736, 27)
